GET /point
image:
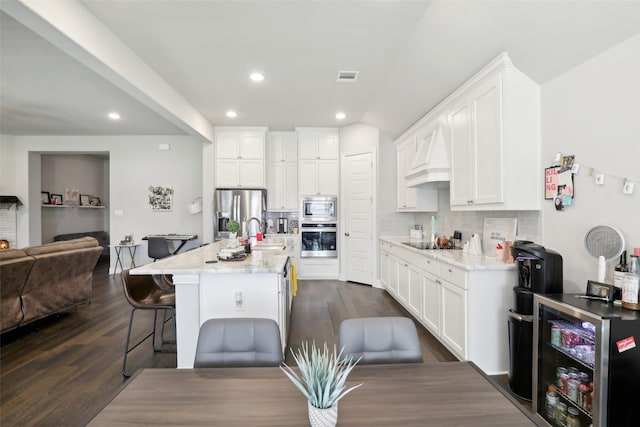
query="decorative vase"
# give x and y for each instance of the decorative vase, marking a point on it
(323, 417)
(233, 240)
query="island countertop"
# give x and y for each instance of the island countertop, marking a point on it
(195, 262)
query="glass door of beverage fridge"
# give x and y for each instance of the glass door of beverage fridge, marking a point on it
(568, 373)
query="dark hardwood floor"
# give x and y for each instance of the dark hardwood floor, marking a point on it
(59, 371)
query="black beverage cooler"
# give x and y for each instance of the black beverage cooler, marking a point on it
(539, 271)
(599, 342)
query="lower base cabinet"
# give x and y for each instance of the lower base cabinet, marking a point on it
(454, 317)
(465, 309)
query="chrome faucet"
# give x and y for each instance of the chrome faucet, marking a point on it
(253, 218)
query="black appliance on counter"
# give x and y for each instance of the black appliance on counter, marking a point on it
(539, 272)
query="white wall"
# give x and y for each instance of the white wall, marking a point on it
(592, 111)
(7, 165)
(135, 163)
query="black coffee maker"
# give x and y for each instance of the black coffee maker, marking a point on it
(539, 272)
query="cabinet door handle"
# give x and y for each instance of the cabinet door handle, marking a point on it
(346, 234)
(438, 282)
(450, 270)
(406, 265)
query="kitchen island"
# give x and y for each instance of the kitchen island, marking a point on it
(257, 286)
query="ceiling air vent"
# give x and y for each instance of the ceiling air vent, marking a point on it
(347, 76)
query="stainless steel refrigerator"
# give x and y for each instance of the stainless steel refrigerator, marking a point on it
(246, 206)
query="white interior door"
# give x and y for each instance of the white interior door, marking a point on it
(358, 218)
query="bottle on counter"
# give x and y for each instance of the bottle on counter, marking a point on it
(631, 286)
(619, 270)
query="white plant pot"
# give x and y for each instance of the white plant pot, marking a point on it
(233, 240)
(323, 417)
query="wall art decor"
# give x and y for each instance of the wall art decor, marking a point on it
(71, 196)
(160, 198)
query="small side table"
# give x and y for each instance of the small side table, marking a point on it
(132, 256)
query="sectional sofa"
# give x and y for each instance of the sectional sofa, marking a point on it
(38, 281)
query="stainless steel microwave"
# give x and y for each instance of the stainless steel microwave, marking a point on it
(319, 209)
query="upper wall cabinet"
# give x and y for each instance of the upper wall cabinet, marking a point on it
(495, 141)
(318, 161)
(240, 157)
(282, 171)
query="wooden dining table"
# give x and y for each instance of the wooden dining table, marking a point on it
(443, 394)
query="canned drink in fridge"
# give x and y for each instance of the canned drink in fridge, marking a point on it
(555, 335)
(561, 413)
(563, 379)
(572, 389)
(550, 404)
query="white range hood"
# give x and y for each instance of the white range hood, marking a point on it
(431, 163)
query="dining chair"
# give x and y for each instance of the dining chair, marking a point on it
(158, 248)
(142, 293)
(234, 342)
(377, 340)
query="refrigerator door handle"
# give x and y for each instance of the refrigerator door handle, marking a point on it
(521, 317)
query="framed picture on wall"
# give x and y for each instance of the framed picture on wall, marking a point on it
(95, 201)
(85, 200)
(45, 198)
(56, 199)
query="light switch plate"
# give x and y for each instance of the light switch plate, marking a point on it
(575, 168)
(628, 187)
(600, 179)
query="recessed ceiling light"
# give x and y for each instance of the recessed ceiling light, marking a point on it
(256, 77)
(114, 116)
(341, 116)
(231, 114)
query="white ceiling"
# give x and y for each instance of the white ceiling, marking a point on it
(410, 54)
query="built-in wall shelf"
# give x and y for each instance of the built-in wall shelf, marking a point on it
(69, 206)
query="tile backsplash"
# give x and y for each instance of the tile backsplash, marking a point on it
(469, 222)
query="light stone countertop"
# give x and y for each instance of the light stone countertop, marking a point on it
(194, 262)
(454, 257)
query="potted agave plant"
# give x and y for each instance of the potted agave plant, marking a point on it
(321, 379)
(233, 227)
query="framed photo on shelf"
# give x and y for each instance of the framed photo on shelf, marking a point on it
(56, 199)
(95, 201)
(45, 198)
(85, 200)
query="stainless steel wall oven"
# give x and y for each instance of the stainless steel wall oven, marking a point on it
(319, 240)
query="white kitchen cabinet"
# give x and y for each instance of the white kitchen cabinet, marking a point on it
(454, 318)
(495, 141)
(464, 308)
(412, 199)
(318, 161)
(282, 171)
(403, 281)
(414, 297)
(240, 157)
(384, 269)
(431, 297)
(318, 144)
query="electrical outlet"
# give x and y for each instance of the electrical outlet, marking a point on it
(239, 301)
(575, 168)
(600, 179)
(628, 187)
